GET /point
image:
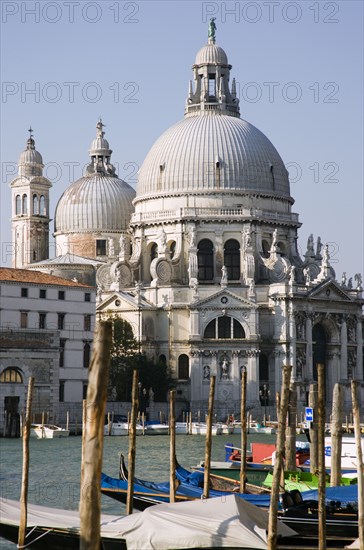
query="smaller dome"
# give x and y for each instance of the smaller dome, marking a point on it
(100, 144)
(30, 155)
(211, 53)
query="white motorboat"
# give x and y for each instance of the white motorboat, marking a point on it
(47, 431)
(348, 452)
(121, 428)
(200, 428)
(156, 428)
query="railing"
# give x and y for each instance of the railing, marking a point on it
(225, 213)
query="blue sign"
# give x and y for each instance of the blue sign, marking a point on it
(309, 414)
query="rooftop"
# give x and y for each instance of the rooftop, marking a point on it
(35, 277)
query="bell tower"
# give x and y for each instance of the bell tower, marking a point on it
(30, 208)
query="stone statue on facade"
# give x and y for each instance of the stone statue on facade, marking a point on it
(193, 238)
(326, 256)
(206, 372)
(318, 246)
(224, 370)
(111, 247)
(343, 279)
(224, 276)
(359, 281)
(310, 248)
(247, 239)
(292, 274)
(350, 283)
(307, 275)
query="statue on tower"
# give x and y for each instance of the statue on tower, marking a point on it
(212, 30)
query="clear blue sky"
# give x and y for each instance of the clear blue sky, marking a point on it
(299, 68)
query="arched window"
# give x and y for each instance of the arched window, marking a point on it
(11, 376)
(183, 367)
(153, 252)
(86, 354)
(162, 359)
(172, 249)
(225, 327)
(17, 205)
(35, 205)
(205, 255)
(42, 206)
(232, 259)
(25, 204)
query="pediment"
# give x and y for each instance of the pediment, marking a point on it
(122, 301)
(224, 299)
(329, 290)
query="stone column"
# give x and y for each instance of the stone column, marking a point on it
(344, 351)
(292, 341)
(253, 375)
(196, 382)
(359, 355)
(235, 374)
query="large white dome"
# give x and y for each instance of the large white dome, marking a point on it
(210, 153)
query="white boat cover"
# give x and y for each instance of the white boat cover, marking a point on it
(217, 522)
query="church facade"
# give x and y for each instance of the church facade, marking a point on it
(203, 260)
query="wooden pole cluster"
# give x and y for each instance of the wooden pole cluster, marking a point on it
(90, 498)
(25, 475)
(321, 457)
(278, 466)
(243, 431)
(132, 443)
(172, 446)
(207, 462)
(336, 435)
(360, 465)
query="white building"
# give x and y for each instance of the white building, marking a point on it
(46, 330)
(203, 261)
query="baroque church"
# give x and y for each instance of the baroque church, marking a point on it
(202, 260)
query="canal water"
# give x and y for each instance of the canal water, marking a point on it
(54, 471)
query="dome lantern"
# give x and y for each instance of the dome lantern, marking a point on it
(211, 90)
(100, 154)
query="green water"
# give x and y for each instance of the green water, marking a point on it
(54, 472)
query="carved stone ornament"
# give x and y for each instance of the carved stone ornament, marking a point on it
(103, 277)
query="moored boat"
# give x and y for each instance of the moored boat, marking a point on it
(47, 431)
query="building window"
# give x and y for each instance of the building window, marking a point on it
(183, 367)
(86, 354)
(100, 247)
(87, 322)
(23, 319)
(42, 206)
(42, 320)
(84, 391)
(61, 295)
(61, 317)
(87, 297)
(17, 205)
(25, 204)
(43, 293)
(62, 348)
(24, 293)
(11, 376)
(61, 391)
(205, 255)
(232, 259)
(35, 205)
(224, 327)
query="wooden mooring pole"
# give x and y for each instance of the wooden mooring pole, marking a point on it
(132, 443)
(25, 475)
(336, 435)
(290, 443)
(321, 457)
(207, 462)
(360, 465)
(172, 446)
(243, 431)
(313, 402)
(90, 497)
(278, 466)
